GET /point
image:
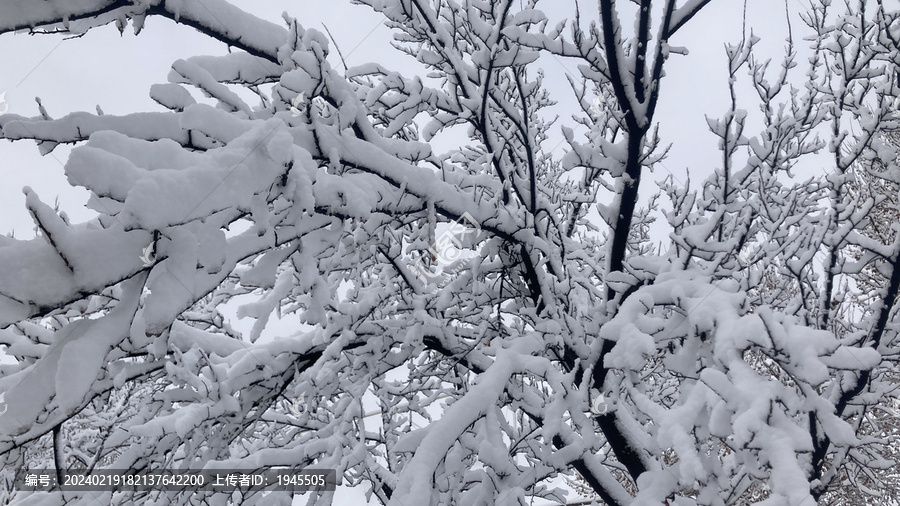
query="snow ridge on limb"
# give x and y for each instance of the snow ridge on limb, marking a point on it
(38, 281)
(416, 481)
(61, 383)
(216, 18)
(18, 16)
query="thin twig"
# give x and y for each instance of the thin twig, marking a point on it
(340, 54)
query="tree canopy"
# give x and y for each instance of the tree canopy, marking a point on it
(503, 305)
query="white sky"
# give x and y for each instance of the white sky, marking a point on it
(116, 72)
